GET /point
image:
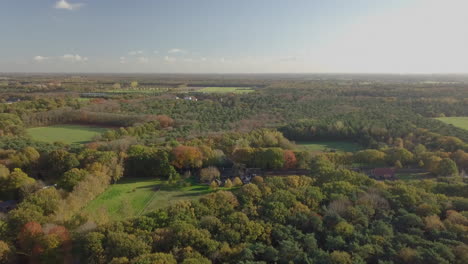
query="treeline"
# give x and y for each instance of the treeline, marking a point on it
(67, 115)
(332, 216)
(373, 127)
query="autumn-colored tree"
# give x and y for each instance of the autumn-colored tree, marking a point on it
(185, 157)
(257, 180)
(209, 174)
(228, 183)
(433, 223)
(61, 246)
(407, 255)
(30, 240)
(290, 160)
(398, 164)
(214, 185)
(461, 158)
(5, 252)
(165, 121)
(237, 182)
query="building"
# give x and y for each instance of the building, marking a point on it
(190, 98)
(383, 173)
(7, 206)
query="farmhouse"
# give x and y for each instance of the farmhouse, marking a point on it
(12, 100)
(190, 98)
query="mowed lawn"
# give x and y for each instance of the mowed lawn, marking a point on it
(238, 90)
(70, 134)
(321, 146)
(133, 197)
(458, 121)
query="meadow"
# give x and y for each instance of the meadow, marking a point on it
(413, 176)
(458, 121)
(134, 197)
(237, 90)
(70, 134)
(323, 146)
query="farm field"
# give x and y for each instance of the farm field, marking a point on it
(133, 197)
(70, 134)
(458, 121)
(321, 146)
(237, 90)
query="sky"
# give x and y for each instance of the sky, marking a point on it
(227, 36)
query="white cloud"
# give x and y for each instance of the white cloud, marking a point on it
(142, 60)
(63, 4)
(74, 58)
(123, 60)
(40, 58)
(156, 51)
(288, 58)
(176, 50)
(169, 59)
(135, 52)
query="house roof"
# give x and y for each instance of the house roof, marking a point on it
(7, 204)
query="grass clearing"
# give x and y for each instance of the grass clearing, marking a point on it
(324, 146)
(457, 121)
(237, 90)
(413, 176)
(133, 197)
(70, 134)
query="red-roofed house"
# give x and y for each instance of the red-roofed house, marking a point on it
(383, 173)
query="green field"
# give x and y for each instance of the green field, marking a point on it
(323, 146)
(133, 197)
(458, 121)
(413, 176)
(70, 134)
(237, 90)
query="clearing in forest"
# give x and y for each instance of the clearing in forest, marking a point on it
(237, 90)
(70, 134)
(136, 196)
(458, 121)
(325, 146)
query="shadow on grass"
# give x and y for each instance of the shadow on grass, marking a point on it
(193, 194)
(150, 186)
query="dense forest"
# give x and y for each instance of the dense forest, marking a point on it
(269, 198)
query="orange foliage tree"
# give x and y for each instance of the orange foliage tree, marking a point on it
(165, 121)
(290, 160)
(185, 157)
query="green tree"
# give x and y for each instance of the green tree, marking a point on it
(340, 257)
(155, 258)
(60, 161)
(71, 178)
(447, 167)
(119, 244)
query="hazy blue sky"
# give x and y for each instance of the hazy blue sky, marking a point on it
(403, 36)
